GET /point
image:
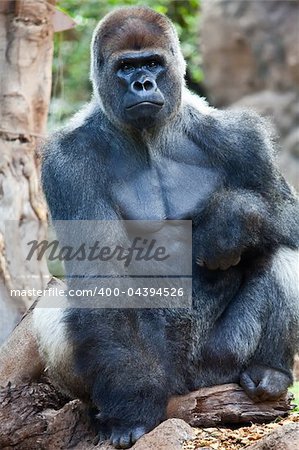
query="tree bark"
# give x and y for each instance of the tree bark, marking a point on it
(26, 47)
(225, 404)
(36, 416)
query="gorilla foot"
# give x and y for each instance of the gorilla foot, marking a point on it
(101, 437)
(263, 383)
(119, 437)
(125, 437)
(126, 415)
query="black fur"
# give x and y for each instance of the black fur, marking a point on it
(216, 168)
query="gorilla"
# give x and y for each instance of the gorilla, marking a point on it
(145, 148)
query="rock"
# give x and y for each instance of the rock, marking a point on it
(251, 59)
(248, 47)
(169, 435)
(284, 438)
(282, 108)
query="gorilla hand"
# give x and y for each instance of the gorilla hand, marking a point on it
(222, 262)
(262, 383)
(219, 243)
(232, 223)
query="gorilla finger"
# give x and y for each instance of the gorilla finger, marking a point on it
(230, 262)
(200, 262)
(268, 390)
(125, 441)
(120, 441)
(266, 394)
(101, 437)
(237, 260)
(98, 439)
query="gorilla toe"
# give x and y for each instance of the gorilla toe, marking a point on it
(126, 437)
(264, 384)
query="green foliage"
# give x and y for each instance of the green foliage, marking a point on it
(71, 86)
(295, 390)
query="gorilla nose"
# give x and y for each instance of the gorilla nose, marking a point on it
(146, 85)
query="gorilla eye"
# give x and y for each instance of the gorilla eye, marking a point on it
(152, 64)
(126, 67)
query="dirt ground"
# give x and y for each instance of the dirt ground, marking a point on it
(228, 439)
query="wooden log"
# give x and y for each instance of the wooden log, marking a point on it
(225, 405)
(36, 415)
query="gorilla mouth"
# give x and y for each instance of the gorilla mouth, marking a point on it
(158, 104)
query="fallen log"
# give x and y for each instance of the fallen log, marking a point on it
(36, 415)
(225, 405)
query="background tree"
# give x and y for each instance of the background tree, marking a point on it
(26, 47)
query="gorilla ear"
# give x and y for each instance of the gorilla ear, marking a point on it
(100, 60)
(172, 50)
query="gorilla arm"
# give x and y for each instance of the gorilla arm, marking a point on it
(255, 210)
(255, 213)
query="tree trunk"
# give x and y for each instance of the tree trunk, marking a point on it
(26, 48)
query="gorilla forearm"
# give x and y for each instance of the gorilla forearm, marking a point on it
(255, 209)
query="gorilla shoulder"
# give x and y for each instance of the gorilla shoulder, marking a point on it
(241, 141)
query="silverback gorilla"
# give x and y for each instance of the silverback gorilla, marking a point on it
(145, 148)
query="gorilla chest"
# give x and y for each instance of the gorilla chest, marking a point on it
(164, 189)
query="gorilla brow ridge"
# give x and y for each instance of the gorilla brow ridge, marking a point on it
(134, 34)
(134, 28)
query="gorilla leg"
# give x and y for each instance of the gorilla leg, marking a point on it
(269, 373)
(120, 355)
(258, 332)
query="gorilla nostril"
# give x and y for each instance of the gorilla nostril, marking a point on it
(148, 85)
(137, 86)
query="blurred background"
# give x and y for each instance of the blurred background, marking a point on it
(239, 53)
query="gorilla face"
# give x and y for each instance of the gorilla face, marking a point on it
(137, 68)
(139, 76)
(143, 93)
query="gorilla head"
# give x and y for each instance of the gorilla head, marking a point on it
(137, 67)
